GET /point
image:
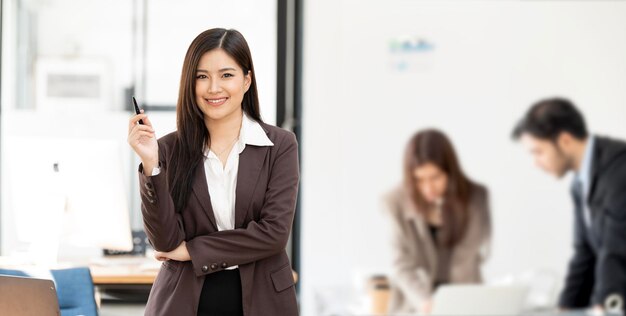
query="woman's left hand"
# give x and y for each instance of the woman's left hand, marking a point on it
(178, 254)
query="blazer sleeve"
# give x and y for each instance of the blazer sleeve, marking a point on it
(412, 280)
(580, 273)
(260, 239)
(162, 224)
(610, 270)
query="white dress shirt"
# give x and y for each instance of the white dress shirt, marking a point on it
(222, 180)
(584, 176)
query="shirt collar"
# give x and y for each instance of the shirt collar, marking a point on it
(252, 133)
(584, 173)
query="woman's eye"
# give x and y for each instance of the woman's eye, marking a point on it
(201, 77)
(227, 75)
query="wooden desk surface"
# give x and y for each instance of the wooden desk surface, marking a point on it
(124, 270)
(121, 275)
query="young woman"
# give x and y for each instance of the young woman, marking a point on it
(441, 224)
(218, 194)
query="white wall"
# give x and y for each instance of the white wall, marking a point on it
(490, 61)
(171, 28)
(93, 30)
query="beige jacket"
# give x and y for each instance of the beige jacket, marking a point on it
(414, 253)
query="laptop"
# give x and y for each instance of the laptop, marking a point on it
(28, 296)
(481, 300)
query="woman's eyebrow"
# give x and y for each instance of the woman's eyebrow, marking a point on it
(221, 70)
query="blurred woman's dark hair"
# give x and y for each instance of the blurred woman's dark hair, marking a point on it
(433, 146)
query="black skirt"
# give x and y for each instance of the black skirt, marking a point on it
(221, 294)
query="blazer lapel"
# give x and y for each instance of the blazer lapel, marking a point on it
(251, 162)
(595, 216)
(427, 242)
(201, 191)
(419, 224)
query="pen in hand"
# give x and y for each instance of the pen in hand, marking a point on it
(137, 109)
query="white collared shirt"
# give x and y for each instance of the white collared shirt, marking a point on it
(584, 176)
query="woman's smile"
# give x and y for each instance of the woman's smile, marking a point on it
(216, 101)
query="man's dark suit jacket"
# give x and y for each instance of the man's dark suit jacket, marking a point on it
(598, 267)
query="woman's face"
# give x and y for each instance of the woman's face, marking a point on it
(220, 85)
(432, 182)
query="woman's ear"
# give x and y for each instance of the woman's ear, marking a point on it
(247, 80)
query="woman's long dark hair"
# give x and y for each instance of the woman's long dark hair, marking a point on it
(432, 146)
(193, 136)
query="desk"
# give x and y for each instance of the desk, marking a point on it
(124, 278)
(124, 270)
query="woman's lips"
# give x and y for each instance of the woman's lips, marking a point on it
(216, 102)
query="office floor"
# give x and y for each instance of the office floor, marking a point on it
(118, 309)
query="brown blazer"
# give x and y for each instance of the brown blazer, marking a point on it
(267, 185)
(414, 253)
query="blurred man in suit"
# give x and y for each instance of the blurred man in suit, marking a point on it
(554, 132)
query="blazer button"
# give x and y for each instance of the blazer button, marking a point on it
(148, 186)
(151, 201)
(224, 265)
(205, 268)
(213, 266)
(150, 193)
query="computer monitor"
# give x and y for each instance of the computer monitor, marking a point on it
(68, 193)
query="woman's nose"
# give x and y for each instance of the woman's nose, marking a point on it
(214, 86)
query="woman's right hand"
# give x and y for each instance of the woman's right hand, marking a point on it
(142, 139)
